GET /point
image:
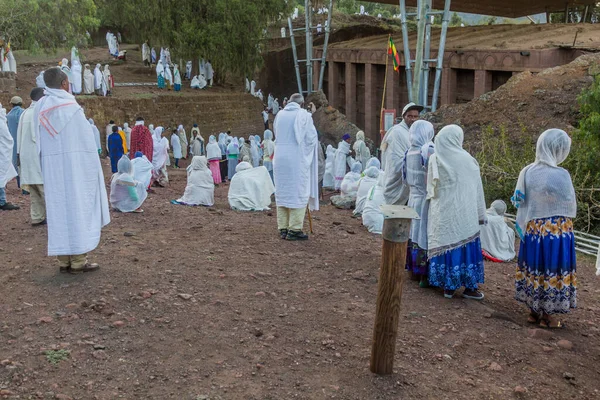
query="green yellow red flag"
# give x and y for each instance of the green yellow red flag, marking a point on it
(395, 57)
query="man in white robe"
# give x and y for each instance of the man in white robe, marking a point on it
(295, 168)
(7, 169)
(394, 145)
(29, 160)
(74, 186)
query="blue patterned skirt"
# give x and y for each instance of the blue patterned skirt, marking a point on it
(546, 279)
(462, 266)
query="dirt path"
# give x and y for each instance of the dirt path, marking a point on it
(207, 303)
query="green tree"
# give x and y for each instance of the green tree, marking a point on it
(456, 20)
(47, 24)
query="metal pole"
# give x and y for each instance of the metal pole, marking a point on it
(416, 88)
(324, 58)
(425, 86)
(407, 67)
(439, 66)
(298, 78)
(308, 17)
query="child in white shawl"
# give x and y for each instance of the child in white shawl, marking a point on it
(200, 189)
(126, 194)
(497, 238)
(365, 184)
(328, 178)
(349, 185)
(372, 217)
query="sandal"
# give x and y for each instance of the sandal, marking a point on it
(547, 323)
(448, 294)
(138, 211)
(533, 318)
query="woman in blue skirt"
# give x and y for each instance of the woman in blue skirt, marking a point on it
(545, 198)
(456, 210)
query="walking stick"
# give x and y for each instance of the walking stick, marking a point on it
(310, 225)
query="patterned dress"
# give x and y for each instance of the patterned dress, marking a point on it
(546, 278)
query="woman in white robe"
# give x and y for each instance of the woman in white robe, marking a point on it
(497, 238)
(341, 160)
(250, 188)
(328, 178)
(146, 53)
(275, 106)
(349, 187)
(368, 181)
(168, 76)
(252, 87)
(76, 71)
(268, 147)
(361, 151)
(98, 80)
(64, 66)
(244, 149)
(160, 155)
(176, 145)
(142, 169)
(254, 153)
(200, 189)
(88, 80)
(372, 217)
(39, 80)
(107, 79)
(126, 194)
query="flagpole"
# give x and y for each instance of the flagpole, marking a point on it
(387, 58)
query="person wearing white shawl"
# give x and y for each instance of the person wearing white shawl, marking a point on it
(64, 66)
(126, 194)
(254, 153)
(268, 147)
(96, 136)
(146, 54)
(394, 145)
(247, 85)
(200, 189)
(74, 188)
(7, 169)
(361, 151)
(250, 188)
(4, 64)
(168, 76)
(153, 58)
(270, 101)
(244, 149)
(30, 169)
(142, 169)
(342, 158)
(127, 131)
(159, 157)
(328, 178)
(213, 152)
(372, 217)
(456, 210)
(349, 187)
(188, 70)
(295, 168)
(183, 140)
(233, 151)
(88, 80)
(210, 73)
(76, 71)
(98, 80)
(369, 180)
(252, 87)
(197, 142)
(160, 74)
(39, 80)
(176, 78)
(176, 145)
(414, 173)
(497, 238)
(546, 203)
(275, 107)
(108, 80)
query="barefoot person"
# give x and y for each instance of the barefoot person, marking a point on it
(74, 188)
(295, 168)
(545, 198)
(456, 210)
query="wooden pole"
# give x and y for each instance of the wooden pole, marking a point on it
(387, 58)
(396, 229)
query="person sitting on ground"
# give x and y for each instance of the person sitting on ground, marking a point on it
(342, 158)
(115, 148)
(142, 169)
(350, 182)
(200, 189)
(365, 184)
(250, 188)
(126, 194)
(497, 238)
(372, 217)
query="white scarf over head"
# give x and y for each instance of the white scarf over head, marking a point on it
(544, 189)
(7, 170)
(497, 238)
(457, 205)
(200, 187)
(213, 151)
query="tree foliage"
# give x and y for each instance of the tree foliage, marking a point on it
(47, 24)
(228, 32)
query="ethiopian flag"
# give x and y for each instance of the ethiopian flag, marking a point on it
(395, 57)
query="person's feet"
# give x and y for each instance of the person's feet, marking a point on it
(24, 192)
(473, 294)
(43, 222)
(448, 294)
(296, 235)
(9, 207)
(85, 268)
(283, 233)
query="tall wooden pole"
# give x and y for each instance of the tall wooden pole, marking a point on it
(396, 229)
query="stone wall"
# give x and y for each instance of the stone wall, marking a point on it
(8, 83)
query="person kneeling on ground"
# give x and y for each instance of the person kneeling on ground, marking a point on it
(142, 169)
(497, 238)
(372, 217)
(200, 189)
(251, 188)
(365, 184)
(351, 179)
(126, 194)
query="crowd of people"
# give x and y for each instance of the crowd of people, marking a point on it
(431, 173)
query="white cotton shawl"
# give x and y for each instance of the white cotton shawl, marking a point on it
(96, 134)
(142, 170)
(328, 178)
(497, 238)
(200, 189)
(361, 151)
(30, 170)
(396, 142)
(176, 145)
(121, 182)
(160, 69)
(98, 78)
(250, 188)
(341, 160)
(88, 80)
(372, 217)
(364, 187)
(7, 170)
(349, 186)
(213, 151)
(455, 191)
(74, 186)
(296, 163)
(160, 150)
(254, 153)
(544, 189)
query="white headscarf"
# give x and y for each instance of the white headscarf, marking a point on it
(160, 69)
(544, 189)
(120, 197)
(160, 154)
(98, 77)
(213, 151)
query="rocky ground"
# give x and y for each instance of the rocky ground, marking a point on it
(207, 303)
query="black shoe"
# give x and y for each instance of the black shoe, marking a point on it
(24, 192)
(283, 233)
(296, 235)
(39, 223)
(9, 207)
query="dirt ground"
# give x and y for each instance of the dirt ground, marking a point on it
(208, 303)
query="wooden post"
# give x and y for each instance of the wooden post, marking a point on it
(396, 229)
